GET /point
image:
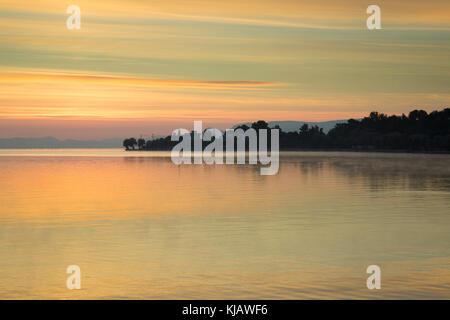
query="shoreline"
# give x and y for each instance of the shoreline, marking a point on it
(328, 150)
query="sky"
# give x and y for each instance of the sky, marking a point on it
(137, 68)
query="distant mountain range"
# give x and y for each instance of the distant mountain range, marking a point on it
(53, 143)
(289, 126)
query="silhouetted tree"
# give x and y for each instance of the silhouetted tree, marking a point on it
(129, 143)
(141, 143)
(419, 131)
(260, 124)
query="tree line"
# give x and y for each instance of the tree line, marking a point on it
(418, 132)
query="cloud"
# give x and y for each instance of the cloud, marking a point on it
(131, 81)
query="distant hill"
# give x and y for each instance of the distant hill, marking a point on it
(53, 143)
(289, 126)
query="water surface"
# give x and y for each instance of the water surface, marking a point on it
(141, 227)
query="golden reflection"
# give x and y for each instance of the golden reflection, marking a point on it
(141, 227)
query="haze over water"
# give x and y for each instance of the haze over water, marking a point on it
(141, 227)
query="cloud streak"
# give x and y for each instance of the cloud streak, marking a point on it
(22, 78)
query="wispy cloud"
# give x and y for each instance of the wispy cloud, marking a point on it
(43, 78)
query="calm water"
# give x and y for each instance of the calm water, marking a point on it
(142, 228)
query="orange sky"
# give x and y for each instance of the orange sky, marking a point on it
(148, 67)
